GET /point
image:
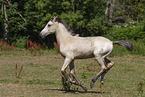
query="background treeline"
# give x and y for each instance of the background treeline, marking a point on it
(22, 20)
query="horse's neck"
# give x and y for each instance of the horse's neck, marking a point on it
(61, 34)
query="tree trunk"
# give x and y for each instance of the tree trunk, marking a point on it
(73, 6)
(5, 24)
(111, 10)
(106, 11)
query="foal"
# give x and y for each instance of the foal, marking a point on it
(74, 47)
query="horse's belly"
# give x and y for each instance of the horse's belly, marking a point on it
(83, 55)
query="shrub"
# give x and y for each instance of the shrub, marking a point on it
(139, 47)
(134, 34)
(21, 42)
(127, 33)
(98, 26)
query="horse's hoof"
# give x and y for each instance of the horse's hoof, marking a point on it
(102, 82)
(91, 84)
(85, 89)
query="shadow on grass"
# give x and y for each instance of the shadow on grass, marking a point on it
(74, 91)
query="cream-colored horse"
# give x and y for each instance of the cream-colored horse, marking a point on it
(74, 47)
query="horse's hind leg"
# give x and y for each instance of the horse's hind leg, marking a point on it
(109, 65)
(72, 71)
(103, 69)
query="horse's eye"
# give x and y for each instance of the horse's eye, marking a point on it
(49, 25)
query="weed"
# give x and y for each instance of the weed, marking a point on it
(17, 74)
(34, 47)
(5, 46)
(83, 76)
(140, 88)
(56, 46)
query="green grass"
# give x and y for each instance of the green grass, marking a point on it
(41, 76)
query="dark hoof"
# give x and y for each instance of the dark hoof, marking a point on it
(85, 89)
(91, 84)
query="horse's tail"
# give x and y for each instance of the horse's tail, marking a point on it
(127, 44)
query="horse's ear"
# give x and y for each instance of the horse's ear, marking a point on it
(54, 18)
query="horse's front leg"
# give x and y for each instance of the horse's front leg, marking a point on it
(72, 71)
(66, 63)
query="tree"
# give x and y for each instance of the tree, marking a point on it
(26, 18)
(129, 10)
(5, 19)
(12, 20)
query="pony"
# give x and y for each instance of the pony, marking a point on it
(75, 47)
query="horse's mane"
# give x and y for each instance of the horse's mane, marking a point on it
(67, 27)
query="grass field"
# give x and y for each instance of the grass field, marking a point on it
(41, 76)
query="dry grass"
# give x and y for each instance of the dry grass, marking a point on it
(41, 76)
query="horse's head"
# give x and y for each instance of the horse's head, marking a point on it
(50, 28)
